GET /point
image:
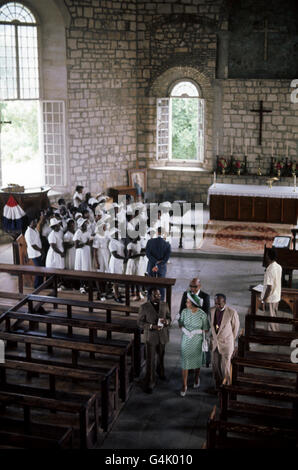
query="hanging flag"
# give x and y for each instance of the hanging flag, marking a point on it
(13, 216)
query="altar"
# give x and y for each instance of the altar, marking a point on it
(253, 203)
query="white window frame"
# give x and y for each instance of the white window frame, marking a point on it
(164, 129)
(47, 143)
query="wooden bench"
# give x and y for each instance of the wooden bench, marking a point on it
(263, 362)
(13, 435)
(90, 278)
(104, 384)
(127, 327)
(234, 435)
(288, 296)
(264, 408)
(265, 337)
(84, 409)
(108, 356)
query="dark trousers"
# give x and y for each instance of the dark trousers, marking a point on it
(38, 279)
(162, 272)
(153, 351)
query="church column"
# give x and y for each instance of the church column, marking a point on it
(222, 69)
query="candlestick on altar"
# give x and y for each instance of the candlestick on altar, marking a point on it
(214, 178)
(294, 183)
(287, 147)
(217, 145)
(231, 145)
(272, 148)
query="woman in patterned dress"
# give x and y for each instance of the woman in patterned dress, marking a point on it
(193, 321)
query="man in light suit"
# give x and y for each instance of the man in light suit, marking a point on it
(158, 252)
(224, 328)
(155, 319)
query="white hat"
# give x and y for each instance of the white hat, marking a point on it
(92, 201)
(69, 219)
(166, 204)
(54, 222)
(78, 215)
(102, 198)
(151, 230)
(81, 221)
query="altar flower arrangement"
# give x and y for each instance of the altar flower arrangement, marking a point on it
(222, 163)
(279, 166)
(238, 165)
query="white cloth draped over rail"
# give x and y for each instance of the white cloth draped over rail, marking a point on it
(282, 192)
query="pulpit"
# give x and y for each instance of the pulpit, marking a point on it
(31, 201)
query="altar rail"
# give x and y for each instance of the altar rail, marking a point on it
(89, 277)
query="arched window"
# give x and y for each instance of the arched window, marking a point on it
(180, 124)
(18, 53)
(32, 133)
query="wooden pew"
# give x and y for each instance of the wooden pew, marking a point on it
(265, 337)
(263, 410)
(113, 355)
(90, 278)
(84, 409)
(102, 383)
(128, 327)
(288, 259)
(289, 296)
(222, 434)
(12, 435)
(263, 363)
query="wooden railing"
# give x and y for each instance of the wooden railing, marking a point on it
(89, 277)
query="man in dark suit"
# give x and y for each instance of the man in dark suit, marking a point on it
(195, 288)
(155, 319)
(158, 252)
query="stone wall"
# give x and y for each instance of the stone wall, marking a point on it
(101, 45)
(240, 127)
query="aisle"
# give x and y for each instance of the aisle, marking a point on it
(164, 420)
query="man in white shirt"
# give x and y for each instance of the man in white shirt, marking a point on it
(272, 286)
(34, 248)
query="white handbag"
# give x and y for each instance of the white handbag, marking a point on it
(205, 347)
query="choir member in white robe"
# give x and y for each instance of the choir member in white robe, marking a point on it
(55, 255)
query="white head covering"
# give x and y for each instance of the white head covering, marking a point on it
(81, 221)
(92, 201)
(54, 222)
(78, 215)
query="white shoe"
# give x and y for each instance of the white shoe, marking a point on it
(82, 290)
(197, 385)
(102, 298)
(141, 297)
(182, 394)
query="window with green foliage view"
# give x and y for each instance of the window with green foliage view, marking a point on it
(184, 128)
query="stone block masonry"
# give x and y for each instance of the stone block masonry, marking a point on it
(101, 46)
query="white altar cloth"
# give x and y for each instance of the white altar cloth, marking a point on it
(280, 192)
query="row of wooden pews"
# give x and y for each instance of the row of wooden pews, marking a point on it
(68, 370)
(259, 408)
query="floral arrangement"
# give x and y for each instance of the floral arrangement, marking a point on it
(238, 164)
(279, 165)
(222, 163)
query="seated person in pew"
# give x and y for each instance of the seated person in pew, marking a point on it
(271, 294)
(155, 319)
(224, 328)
